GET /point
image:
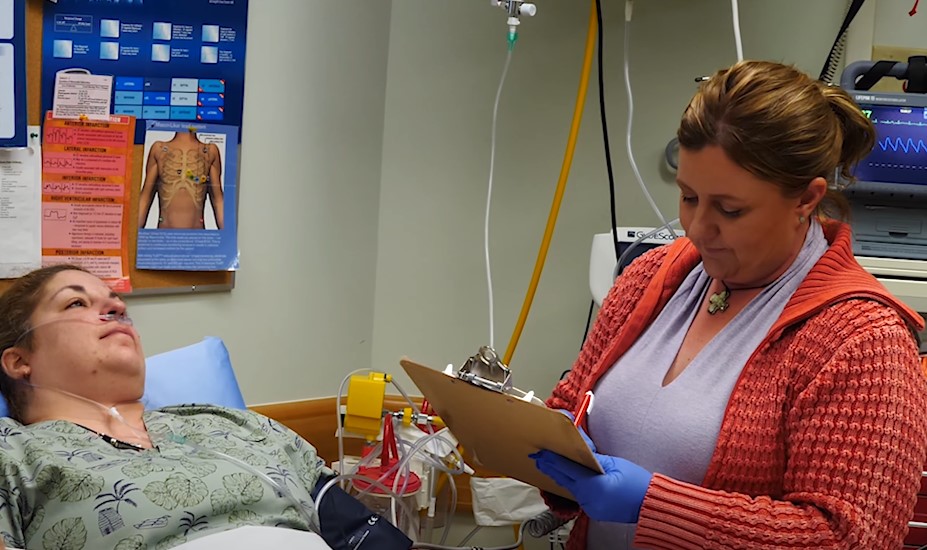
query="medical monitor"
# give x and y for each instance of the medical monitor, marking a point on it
(897, 165)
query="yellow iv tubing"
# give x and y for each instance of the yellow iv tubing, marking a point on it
(561, 185)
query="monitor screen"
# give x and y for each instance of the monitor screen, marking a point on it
(900, 152)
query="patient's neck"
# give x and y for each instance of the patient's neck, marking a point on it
(127, 425)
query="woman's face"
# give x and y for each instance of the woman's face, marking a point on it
(745, 229)
(74, 350)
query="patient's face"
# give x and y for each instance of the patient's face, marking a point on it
(74, 350)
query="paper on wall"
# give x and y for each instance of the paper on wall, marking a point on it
(20, 207)
(82, 95)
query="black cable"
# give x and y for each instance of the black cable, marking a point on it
(544, 524)
(608, 152)
(588, 323)
(828, 72)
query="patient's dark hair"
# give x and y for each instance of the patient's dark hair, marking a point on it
(17, 305)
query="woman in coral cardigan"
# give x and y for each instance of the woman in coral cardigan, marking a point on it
(755, 387)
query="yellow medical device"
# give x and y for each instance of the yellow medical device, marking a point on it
(364, 409)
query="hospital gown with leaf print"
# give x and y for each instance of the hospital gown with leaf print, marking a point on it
(62, 487)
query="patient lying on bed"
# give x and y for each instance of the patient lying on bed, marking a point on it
(83, 465)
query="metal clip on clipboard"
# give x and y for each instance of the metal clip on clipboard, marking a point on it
(487, 371)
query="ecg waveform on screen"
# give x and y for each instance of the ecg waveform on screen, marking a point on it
(889, 122)
(907, 145)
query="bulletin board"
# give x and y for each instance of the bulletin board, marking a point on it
(143, 281)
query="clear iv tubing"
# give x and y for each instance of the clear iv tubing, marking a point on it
(372, 455)
(311, 519)
(627, 86)
(452, 504)
(513, 546)
(340, 424)
(402, 464)
(561, 187)
(395, 492)
(492, 165)
(735, 15)
(373, 483)
(340, 429)
(637, 241)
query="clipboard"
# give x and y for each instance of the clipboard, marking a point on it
(501, 430)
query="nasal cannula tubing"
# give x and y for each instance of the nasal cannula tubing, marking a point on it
(122, 318)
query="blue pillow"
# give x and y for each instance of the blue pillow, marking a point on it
(199, 373)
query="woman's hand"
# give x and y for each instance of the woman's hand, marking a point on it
(616, 495)
(582, 432)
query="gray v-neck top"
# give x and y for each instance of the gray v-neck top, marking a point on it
(673, 429)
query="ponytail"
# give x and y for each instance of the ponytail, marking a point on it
(858, 137)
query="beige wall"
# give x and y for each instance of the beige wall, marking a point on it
(302, 310)
(445, 60)
(364, 174)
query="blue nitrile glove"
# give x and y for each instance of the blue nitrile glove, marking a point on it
(582, 432)
(616, 495)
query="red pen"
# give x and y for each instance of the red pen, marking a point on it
(584, 408)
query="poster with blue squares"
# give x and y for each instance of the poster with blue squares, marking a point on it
(171, 60)
(13, 73)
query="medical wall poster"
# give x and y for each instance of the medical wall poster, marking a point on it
(187, 198)
(13, 73)
(21, 207)
(181, 60)
(85, 195)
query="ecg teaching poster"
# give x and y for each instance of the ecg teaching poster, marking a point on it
(178, 60)
(85, 196)
(187, 198)
(13, 73)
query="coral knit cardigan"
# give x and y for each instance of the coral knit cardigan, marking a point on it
(825, 433)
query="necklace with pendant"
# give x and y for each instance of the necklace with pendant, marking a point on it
(117, 443)
(718, 300)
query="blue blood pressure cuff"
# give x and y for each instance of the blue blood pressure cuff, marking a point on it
(347, 524)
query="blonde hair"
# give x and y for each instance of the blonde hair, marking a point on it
(782, 126)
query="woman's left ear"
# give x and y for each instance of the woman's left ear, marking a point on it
(812, 197)
(15, 364)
